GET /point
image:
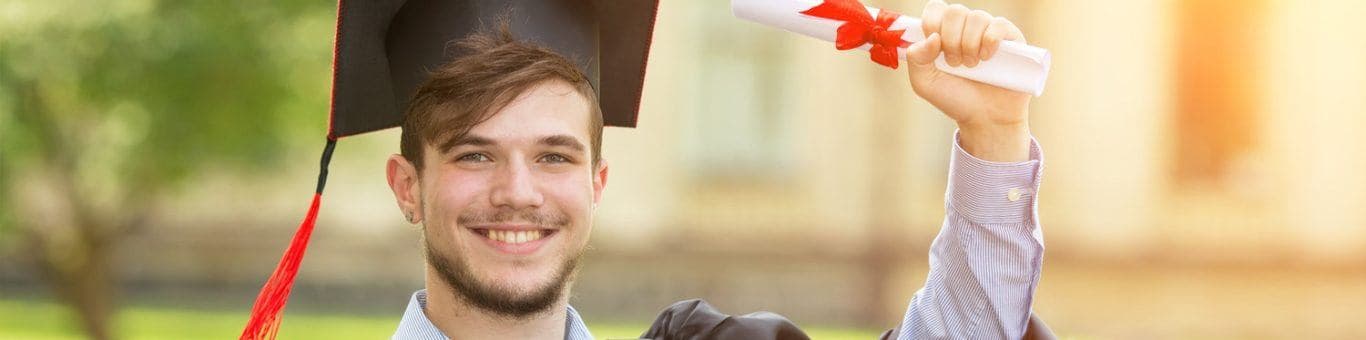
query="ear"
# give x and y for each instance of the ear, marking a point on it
(406, 183)
(599, 181)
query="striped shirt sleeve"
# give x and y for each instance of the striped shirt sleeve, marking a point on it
(986, 261)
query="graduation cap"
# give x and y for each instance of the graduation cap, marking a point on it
(385, 49)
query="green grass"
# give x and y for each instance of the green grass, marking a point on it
(30, 320)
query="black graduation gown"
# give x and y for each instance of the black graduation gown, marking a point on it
(695, 319)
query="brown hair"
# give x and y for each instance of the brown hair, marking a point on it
(470, 89)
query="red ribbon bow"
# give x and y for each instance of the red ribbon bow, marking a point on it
(859, 28)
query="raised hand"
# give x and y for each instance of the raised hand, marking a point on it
(993, 122)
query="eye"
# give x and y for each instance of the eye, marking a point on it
(473, 157)
(555, 158)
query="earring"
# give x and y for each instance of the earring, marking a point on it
(410, 217)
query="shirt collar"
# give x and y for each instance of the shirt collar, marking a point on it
(416, 326)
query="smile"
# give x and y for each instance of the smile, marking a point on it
(514, 241)
(513, 236)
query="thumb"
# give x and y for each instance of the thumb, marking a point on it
(920, 56)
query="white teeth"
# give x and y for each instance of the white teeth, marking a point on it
(515, 237)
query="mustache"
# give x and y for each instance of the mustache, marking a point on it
(543, 218)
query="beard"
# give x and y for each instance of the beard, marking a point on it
(493, 296)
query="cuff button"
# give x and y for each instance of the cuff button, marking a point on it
(1014, 194)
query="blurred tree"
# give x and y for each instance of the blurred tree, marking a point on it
(108, 106)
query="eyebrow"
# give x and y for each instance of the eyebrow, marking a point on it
(563, 141)
(468, 139)
(555, 140)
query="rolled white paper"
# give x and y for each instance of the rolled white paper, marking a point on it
(1015, 66)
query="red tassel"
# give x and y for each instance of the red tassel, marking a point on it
(270, 304)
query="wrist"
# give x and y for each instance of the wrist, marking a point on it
(996, 142)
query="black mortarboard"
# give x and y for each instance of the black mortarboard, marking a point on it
(385, 49)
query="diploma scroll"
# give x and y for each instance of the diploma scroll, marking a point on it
(1015, 66)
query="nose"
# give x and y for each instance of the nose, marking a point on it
(514, 186)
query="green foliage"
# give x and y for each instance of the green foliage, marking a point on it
(35, 320)
(148, 92)
(107, 106)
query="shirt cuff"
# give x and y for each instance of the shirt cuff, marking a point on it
(994, 192)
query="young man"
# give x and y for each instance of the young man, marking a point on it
(500, 165)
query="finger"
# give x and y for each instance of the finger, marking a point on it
(951, 29)
(931, 16)
(975, 25)
(922, 54)
(920, 58)
(991, 39)
(1014, 34)
(1001, 30)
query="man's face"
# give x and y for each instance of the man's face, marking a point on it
(508, 210)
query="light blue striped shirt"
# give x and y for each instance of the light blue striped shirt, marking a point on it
(986, 261)
(984, 264)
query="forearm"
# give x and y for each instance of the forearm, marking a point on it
(992, 142)
(986, 261)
